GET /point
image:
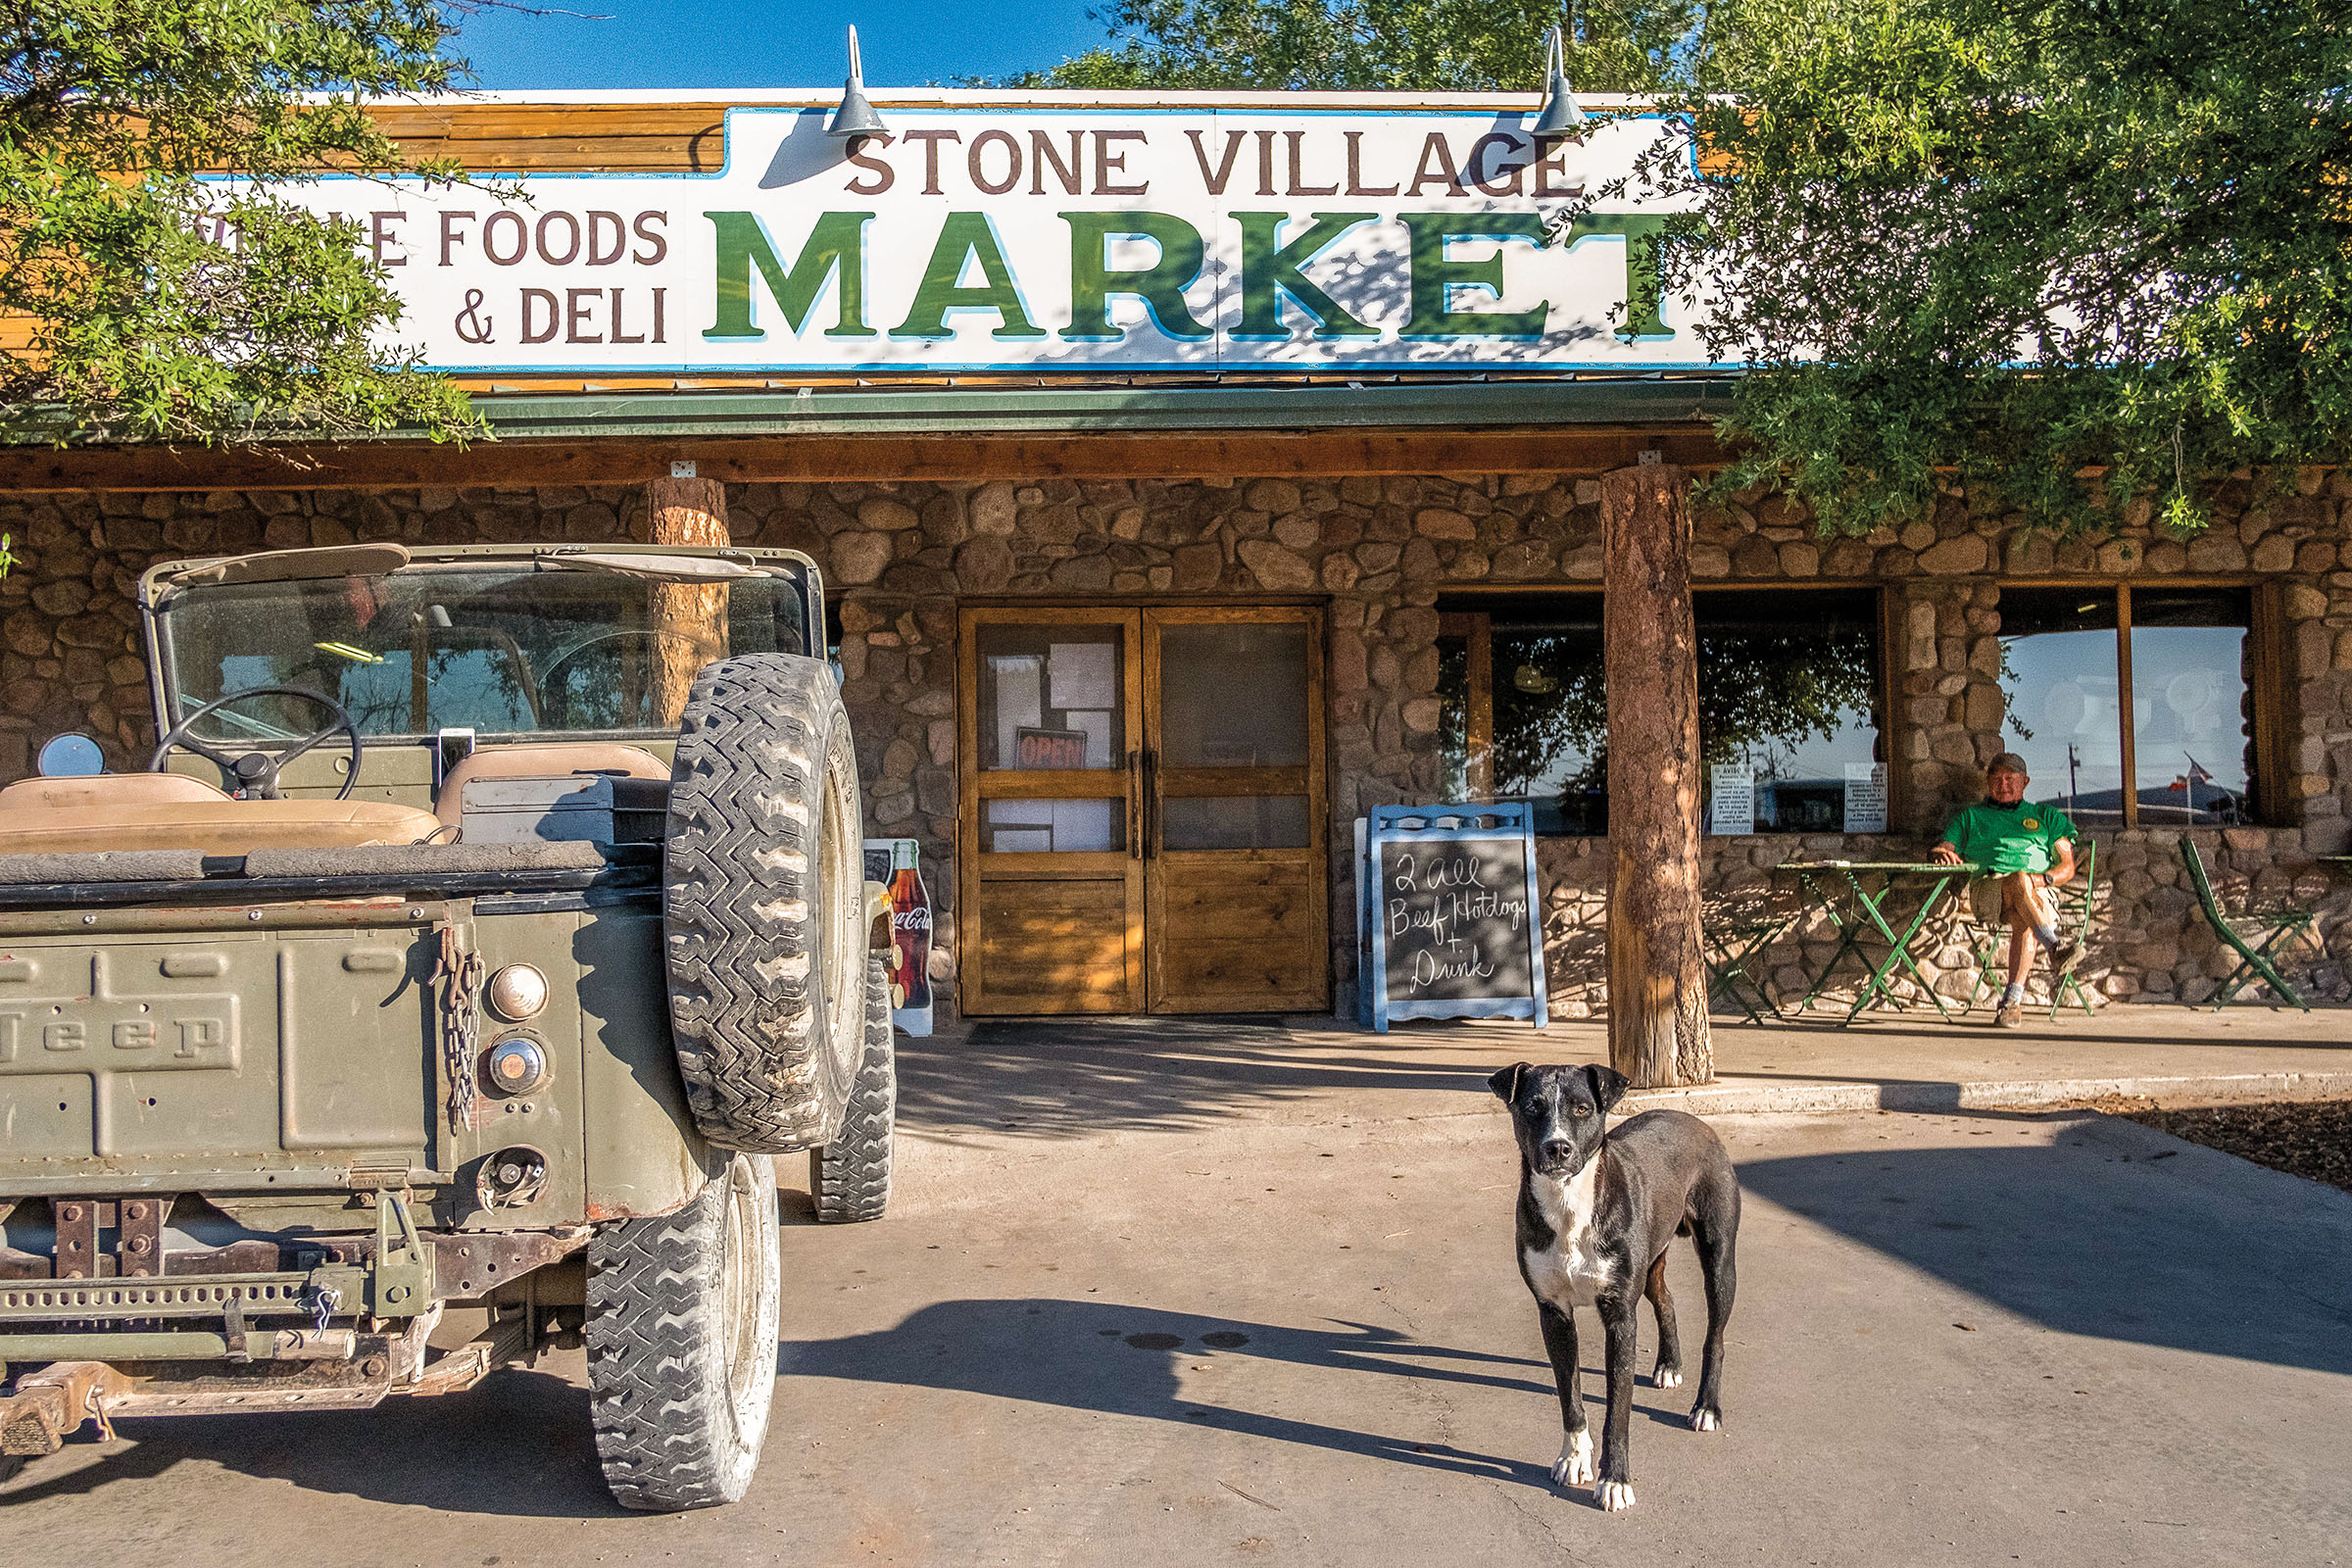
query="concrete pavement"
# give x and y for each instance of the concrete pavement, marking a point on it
(1274, 1323)
(1166, 1073)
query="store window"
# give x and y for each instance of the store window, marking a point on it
(1789, 696)
(2151, 685)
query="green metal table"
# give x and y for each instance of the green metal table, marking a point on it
(1831, 883)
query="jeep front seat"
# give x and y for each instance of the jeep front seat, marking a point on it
(172, 811)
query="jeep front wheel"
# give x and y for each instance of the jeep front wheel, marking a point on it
(682, 1319)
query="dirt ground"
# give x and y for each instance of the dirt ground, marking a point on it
(2311, 1138)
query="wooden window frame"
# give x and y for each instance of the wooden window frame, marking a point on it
(2267, 699)
(1476, 628)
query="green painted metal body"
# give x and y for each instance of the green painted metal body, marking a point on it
(288, 1061)
(280, 1063)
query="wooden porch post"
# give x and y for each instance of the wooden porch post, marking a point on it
(1657, 970)
(685, 511)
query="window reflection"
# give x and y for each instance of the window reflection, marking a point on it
(2061, 697)
(1788, 688)
(2187, 690)
(2190, 707)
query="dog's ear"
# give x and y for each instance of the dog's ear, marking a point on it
(1608, 1085)
(1505, 1083)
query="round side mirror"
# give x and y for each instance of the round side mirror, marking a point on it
(71, 755)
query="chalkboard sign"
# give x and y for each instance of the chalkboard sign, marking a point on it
(1449, 906)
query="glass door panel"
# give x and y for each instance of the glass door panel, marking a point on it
(1233, 696)
(1232, 809)
(1050, 696)
(1053, 882)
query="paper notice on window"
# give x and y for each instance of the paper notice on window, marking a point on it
(1082, 827)
(1095, 727)
(1020, 828)
(1866, 797)
(1020, 695)
(1735, 808)
(1082, 674)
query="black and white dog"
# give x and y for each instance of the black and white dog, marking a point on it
(1596, 1212)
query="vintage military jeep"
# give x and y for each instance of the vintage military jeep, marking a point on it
(487, 918)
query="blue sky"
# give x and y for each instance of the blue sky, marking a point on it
(731, 43)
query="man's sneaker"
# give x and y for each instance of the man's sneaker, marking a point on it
(2065, 956)
(2010, 1015)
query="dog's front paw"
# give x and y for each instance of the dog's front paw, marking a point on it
(1706, 1419)
(1575, 1464)
(1667, 1377)
(1614, 1497)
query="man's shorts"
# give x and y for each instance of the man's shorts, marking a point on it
(1988, 901)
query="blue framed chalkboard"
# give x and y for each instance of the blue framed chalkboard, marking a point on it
(1449, 899)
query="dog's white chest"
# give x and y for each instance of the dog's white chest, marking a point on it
(1571, 1271)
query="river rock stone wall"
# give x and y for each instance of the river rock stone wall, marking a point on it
(1378, 553)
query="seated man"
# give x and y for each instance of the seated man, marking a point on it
(2023, 851)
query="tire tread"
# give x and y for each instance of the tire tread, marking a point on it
(849, 1177)
(742, 932)
(657, 1402)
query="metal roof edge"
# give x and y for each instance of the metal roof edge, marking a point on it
(980, 410)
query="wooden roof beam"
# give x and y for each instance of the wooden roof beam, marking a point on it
(748, 460)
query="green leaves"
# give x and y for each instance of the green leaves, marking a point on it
(1375, 45)
(2070, 254)
(2074, 253)
(155, 303)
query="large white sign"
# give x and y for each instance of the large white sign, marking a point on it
(992, 239)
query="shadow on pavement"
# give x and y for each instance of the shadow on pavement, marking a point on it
(520, 1444)
(1124, 1360)
(2092, 1236)
(1055, 1079)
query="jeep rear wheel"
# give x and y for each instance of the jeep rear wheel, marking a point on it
(849, 1177)
(682, 1313)
(763, 903)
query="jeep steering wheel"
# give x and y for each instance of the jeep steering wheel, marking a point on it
(256, 772)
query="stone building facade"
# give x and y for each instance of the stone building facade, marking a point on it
(1377, 554)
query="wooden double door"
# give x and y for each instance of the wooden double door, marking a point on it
(1143, 814)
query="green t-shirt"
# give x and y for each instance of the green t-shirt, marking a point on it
(2010, 838)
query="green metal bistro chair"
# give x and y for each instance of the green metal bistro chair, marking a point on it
(2076, 904)
(2265, 929)
(1735, 934)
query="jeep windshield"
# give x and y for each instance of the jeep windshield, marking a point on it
(504, 646)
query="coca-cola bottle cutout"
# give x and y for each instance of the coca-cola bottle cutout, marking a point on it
(911, 941)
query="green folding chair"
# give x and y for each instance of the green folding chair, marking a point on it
(2076, 902)
(1735, 938)
(2256, 945)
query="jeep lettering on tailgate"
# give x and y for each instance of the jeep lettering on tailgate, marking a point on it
(102, 1032)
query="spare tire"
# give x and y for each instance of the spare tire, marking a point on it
(763, 903)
